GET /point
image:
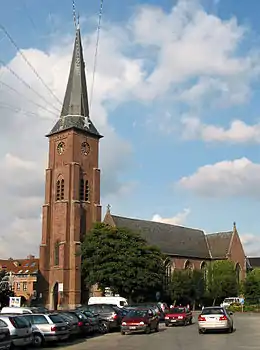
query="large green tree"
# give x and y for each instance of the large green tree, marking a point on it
(187, 286)
(122, 260)
(252, 286)
(221, 280)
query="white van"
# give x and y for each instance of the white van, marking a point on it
(16, 310)
(118, 301)
(228, 301)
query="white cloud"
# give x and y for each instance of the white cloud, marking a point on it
(226, 178)
(178, 219)
(237, 132)
(251, 244)
(188, 43)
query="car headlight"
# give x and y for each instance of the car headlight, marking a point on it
(180, 317)
(141, 323)
(167, 317)
(123, 323)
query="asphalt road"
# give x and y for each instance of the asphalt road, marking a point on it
(245, 337)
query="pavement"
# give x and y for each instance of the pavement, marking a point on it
(246, 336)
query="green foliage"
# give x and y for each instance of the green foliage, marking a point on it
(187, 285)
(122, 260)
(222, 280)
(252, 285)
(5, 292)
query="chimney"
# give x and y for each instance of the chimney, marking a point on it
(30, 257)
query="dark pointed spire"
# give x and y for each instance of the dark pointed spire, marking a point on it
(75, 109)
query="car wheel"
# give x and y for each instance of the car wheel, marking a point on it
(191, 320)
(166, 324)
(157, 328)
(231, 329)
(148, 330)
(38, 340)
(201, 331)
(122, 332)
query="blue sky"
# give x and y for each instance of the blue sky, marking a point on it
(176, 96)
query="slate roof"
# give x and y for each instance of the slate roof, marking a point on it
(75, 109)
(254, 262)
(20, 266)
(219, 243)
(171, 239)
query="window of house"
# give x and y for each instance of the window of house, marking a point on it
(62, 189)
(86, 191)
(25, 286)
(57, 254)
(18, 286)
(58, 188)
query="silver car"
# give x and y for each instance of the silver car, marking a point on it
(20, 330)
(47, 328)
(215, 318)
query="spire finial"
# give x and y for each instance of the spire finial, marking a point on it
(108, 208)
(234, 226)
(74, 14)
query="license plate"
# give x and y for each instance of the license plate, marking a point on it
(173, 320)
(63, 328)
(132, 327)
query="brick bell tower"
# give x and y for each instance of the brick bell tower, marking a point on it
(72, 191)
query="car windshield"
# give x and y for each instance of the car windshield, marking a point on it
(213, 311)
(229, 300)
(177, 310)
(137, 313)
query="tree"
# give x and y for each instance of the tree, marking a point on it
(221, 280)
(122, 260)
(252, 286)
(187, 286)
(5, 290)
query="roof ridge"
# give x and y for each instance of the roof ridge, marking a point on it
(158, 222)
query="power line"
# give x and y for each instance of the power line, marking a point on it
(25, 97)
(17, 109)
(28, 63)
(26, 84)
(96, 50)
(29, 16)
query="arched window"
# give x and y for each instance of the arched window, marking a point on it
(58, 190)
(62, 189)
(238, 273)
(188, 265)
(57, 254)
(84, 190)
(203, 267)
(81, 190)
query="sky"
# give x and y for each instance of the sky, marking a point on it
(176, 95)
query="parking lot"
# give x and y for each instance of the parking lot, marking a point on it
(246, 336)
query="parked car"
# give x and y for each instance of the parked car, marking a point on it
(20, 330)
(118, 301)
(47, 328)
(72, 323)
(84, 326)
(215, 318)
(110, 315)
(140, 320)
(5, 337)
(16, 310)
(94, 321)
(178, 316)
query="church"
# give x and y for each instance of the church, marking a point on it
(72, 205)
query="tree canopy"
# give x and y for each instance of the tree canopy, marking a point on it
(5, 291)
(252, 286)
(222, 280)
(186, 286)
(122, 260)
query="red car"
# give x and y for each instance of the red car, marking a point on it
(178, 316)
(140, 320)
